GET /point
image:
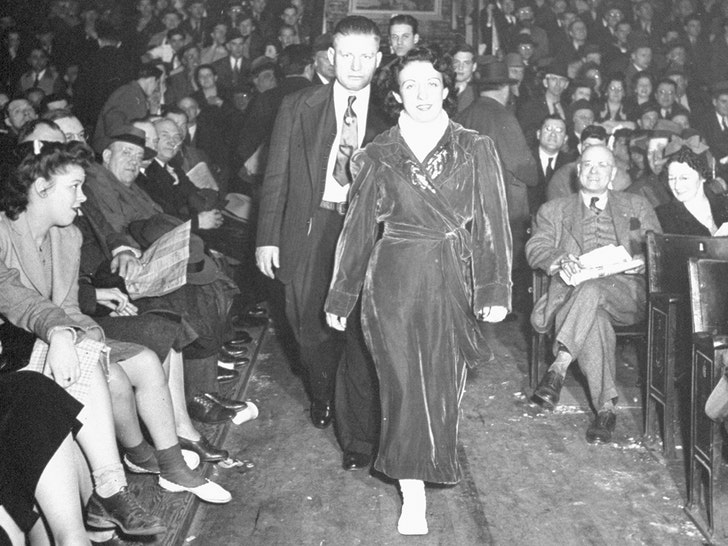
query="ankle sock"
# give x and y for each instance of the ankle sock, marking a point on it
(109, 480)
(562, 363)
(140, 454)
(172, 467)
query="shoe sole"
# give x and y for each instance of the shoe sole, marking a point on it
(543, 402)
(231, 365)
(175, 488)
(135, 469)
(109, 522)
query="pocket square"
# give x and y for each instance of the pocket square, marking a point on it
(634, 224)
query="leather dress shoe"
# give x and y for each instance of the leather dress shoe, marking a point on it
(224, 375)
(232, 363)
(235, 352)
(256, 311)
(206, 411)
(244, 321)
(548, 391)
(228, 403)
(321, 414)
(601, 429)
(354, 460)
(241, 338)
(208, 453)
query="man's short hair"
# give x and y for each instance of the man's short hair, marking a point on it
(176, 32)
(551, 117)
(594, 131)
(357, 24)
(31, 126)
(294, 59)
(58, 113)
(149, 70)
(462, 47)
(404, 19)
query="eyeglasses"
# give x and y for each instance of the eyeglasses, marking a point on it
(665, 92)
(552, 129)
(77, 137)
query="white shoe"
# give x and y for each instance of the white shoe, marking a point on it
(208, 492)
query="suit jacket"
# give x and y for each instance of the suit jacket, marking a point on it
(491, 118)
(261, 116)
(711, 130)
(531, 114)
(225, 75)
(50, 83)
(124, 105)
(542, 192)
(557, 232)
(26, 299)
(293, 187)
(179, 86)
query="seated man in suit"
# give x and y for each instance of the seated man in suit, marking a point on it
(584, 316)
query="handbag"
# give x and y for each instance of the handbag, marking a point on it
(16, 346)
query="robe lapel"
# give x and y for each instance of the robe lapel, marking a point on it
(30, 262)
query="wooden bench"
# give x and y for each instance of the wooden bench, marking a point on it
(707, 502)
(668, 318)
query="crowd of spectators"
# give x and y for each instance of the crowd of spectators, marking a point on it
(176, 102)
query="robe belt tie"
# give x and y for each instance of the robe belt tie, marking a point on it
(459, 238)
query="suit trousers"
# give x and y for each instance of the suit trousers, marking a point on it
(337, 364)
(585, 326)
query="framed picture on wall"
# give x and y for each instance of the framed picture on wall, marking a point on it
(417, 8)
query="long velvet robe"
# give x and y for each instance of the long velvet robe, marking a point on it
(444, 253)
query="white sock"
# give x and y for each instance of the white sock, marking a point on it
(413, 519)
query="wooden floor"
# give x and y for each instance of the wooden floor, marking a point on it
(527, 477)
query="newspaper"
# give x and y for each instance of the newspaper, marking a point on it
(201, 176)
(602, 262)
(164, 265)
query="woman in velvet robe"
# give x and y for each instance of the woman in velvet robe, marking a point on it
(442, 262)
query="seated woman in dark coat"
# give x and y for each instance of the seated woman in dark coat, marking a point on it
(696, 210)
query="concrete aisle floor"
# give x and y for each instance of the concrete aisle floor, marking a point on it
(528, 477)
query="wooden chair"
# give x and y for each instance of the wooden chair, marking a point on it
(709, 306)
(668, 339)
(541, 343)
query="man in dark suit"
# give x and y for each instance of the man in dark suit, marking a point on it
(713, 125)
(489, 116)
(584, 313)
(296, 62)
(233, 71)
(301, 214)
(532, 112)
(323, 69)
(549, 158)
(127, 103)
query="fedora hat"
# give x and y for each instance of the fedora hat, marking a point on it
(133, 135)
(493, 72)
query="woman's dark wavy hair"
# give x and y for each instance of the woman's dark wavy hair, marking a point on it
(42, 160)
(697, 162)
(441, 63)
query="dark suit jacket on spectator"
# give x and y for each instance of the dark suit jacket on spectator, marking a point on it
(225, 75)
(124, 105)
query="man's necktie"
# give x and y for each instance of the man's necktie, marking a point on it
(725, 125)
(550, 168)
(593, 206)
(559, 110)
(236, 72)
(37, 79)
(348, 142)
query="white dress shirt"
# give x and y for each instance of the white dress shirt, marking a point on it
(334, 191)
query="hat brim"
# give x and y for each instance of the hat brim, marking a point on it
(497, 81)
